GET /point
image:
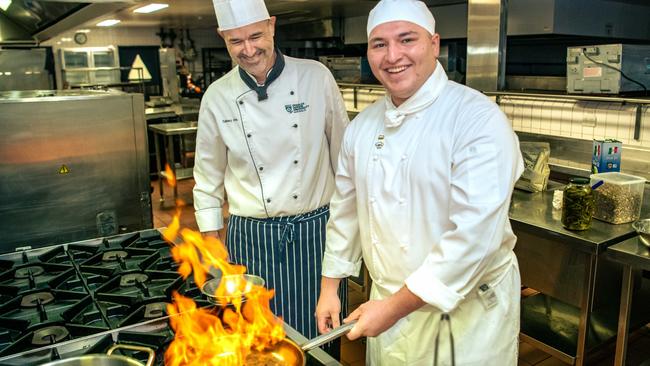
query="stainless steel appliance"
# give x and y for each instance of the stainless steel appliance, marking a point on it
(80, 298)
(348, 69)
(24, 70)
(73, 166)
(597, 69)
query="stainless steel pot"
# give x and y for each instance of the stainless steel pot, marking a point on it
(108, 359)
(249, 281)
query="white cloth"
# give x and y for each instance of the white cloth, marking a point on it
(274, 157)
(401, 10)
(482, 337)
(394, 116)
(426, 202)
(238, 13)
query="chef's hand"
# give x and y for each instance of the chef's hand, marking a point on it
(214, 234)
(376, 316)
(373, 318)
(328, 308)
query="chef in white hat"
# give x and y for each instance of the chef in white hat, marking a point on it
(422, 194)
(269, 134)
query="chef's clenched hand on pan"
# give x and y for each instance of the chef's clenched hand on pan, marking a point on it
(328, 309)
(376, 316)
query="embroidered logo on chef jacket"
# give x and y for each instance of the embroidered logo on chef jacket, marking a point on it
(296, 108)
(229, 120)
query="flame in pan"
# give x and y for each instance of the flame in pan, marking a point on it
(225, 334)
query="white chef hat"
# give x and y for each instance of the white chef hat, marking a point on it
(238, 13)
(405, 10)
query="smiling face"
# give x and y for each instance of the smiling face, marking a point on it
(251, 46)
(402, 56)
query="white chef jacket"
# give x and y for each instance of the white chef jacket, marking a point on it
(274, 157)
(428, 198)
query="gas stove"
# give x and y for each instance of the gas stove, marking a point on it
(81, 298)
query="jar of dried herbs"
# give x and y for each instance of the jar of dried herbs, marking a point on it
(577, 204)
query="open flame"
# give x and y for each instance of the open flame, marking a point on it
(241, 324)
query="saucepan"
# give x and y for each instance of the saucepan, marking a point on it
(108, 359)
(243, 284)
(288, 352)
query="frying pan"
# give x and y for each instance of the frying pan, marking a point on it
(288, 352)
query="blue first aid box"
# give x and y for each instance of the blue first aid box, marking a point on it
(606, 156)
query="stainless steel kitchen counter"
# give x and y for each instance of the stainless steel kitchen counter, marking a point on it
(535, 212)
(635, 257)
(173, 110)
(575, 311)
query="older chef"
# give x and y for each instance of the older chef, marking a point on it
(269, 133)
(422, 194)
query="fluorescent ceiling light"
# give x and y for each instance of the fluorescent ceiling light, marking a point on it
(150, 8)
(83, 31)
(66, 39)
(4, 4)
(108, 22)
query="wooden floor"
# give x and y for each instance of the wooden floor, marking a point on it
(353, 353)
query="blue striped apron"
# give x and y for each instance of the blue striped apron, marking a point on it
(287, 252)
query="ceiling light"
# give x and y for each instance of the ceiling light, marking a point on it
(108, 22)
(4, 4)
(150, 8)
(83, 31)
(66, 39)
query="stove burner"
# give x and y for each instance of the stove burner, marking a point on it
(49, 335)
(133, 279)
(27, 272)
(154, 310)
(114, 255)
(36, 299)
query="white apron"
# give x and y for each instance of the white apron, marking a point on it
(411, 340)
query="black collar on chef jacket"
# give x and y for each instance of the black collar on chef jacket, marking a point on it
(277, 68)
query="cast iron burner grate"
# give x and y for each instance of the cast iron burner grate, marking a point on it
(137, 287)
(29, 276)
(128, 259)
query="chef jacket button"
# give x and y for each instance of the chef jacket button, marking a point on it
(295, 196)
(401, 201)
(268, 200)
(295, 161)
(249, 135)
(291, 92)
(374, 158)
(404, 157)
(403, 246)
(372, 199)
(295, 125)
(241, 102)
(261, 168)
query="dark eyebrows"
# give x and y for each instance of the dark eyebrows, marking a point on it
(401, 35)
(254, 35)
(404, 34)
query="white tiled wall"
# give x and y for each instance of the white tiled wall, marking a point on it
(578, 119)
(575, 119)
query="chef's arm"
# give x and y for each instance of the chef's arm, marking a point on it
(486, 165)
(342, 257)
(209, 169)
(336, 119)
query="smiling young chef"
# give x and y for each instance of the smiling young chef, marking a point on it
(269, 133)
(422, 194)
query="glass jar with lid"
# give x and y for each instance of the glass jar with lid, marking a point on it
(577, 204)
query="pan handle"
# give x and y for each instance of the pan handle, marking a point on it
(151, 355)
(327, 337)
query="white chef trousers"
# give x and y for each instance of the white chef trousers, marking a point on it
(481, 337)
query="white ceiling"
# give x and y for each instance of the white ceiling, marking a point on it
(194, 14)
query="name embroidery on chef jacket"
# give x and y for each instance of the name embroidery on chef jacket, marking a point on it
(296, 108)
